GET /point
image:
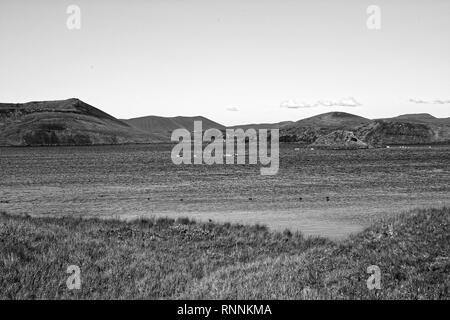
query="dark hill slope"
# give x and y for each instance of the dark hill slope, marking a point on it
(420, 128)
(63, 122)
(381, 133)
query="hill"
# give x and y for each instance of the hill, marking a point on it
(258, 126)
(74, 122)
(381, 133)
(421, 128)
(308, 130)
(164, 126)
(406, 129)
(419, 117)
(333, 120)
(64, 122)
(166, 259)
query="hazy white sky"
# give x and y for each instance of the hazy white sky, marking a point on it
(234, 61)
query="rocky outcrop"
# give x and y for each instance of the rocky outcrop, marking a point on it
(339, 139)
(381, 133)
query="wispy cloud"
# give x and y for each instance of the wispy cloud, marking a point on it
(344, 102)
(233, 108)
(420, 101)
(294, 104)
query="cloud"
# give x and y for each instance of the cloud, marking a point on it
(344, 102)
(420, 101)
(232, 108)
(348, 102)
(293, 104)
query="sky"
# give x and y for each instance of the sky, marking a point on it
(233, 61)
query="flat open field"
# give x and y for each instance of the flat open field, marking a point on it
(141, 180)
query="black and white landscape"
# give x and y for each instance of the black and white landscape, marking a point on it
(93, 204)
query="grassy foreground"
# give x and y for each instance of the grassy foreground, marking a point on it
(164, 258)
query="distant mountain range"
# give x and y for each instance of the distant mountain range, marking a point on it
(404, 129)
(258, 126)
(164, 126)
(74, 122)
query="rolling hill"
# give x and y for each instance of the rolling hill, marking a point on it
(308, 130)
(164, 126)
(414, 117)
(405, 129)
(333, 120)
(74, 122)
(381, 133)
(64, 122)
(258, 126)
